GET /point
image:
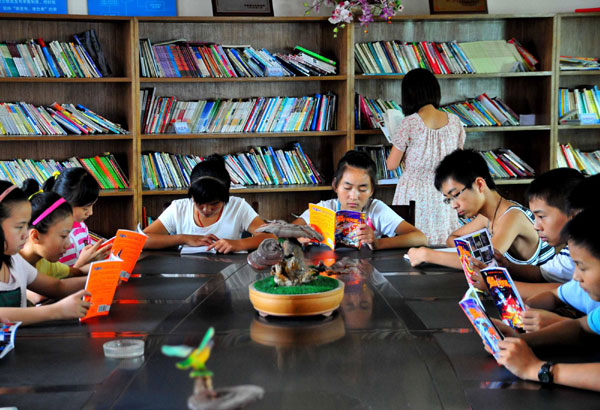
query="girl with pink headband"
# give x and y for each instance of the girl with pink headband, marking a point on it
(17, 275)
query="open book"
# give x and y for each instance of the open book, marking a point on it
(505, 295)
(7, 337)
(339, 227)
(477, 245)
(102, 281)
(127, 245)
(474, 310)
(189, 250)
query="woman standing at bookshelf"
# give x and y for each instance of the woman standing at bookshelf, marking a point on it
(421, 140)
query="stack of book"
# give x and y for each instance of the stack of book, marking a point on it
(503, 163)
(180, 58)
(22, 118)
(34, 58)
(586, 162)
(579, 106)
(578, 63)
(104, 169)
(258, 166)
(483, 111)
(368, 112)
(397, 57)
(379, 154)
(258, 114)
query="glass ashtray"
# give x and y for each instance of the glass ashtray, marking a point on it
(124, 348)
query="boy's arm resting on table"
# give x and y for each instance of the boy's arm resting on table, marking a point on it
(476, 224)
(525, 273)
(406, 236)
(570, 332)
(427, 255)
(548, 300)
(71, 307)
(518, 358)
(528, 290)
(56, 288)
(394, 159)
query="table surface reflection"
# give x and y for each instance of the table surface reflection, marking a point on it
(398, 341)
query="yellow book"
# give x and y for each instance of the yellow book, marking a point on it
(589, 99)
(578, 160)
(336, 227)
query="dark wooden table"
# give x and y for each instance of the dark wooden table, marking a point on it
(399, 341)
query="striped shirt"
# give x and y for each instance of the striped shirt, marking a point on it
(79, 237)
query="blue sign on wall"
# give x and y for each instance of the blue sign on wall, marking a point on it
(34, 6)
(132, 7)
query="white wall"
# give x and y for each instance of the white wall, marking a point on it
(296, 8)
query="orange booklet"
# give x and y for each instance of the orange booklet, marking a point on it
(102, 281)
(127, 245)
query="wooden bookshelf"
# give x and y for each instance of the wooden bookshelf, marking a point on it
(118, 97)
(576, 36)
(112, 97)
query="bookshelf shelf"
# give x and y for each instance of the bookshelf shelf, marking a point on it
(64, 80)
(116, 192)
(475, 129)
(95, 137)
(579, 73)
(579, 127)
(457, 76)
(244, 135)
(513, 181)
(243, 79)
(247, 190)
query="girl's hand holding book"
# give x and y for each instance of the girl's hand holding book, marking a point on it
(199, 240)
(73, 306)
(366, 235)
(91, 253)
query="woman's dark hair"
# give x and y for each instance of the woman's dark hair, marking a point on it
(210, 181)
(582, 231)
(582, 196)
(76, 185)
(356, 159)
(41, 201)
(555, 186)
(419, 88)
(6, 205)
(463, 166)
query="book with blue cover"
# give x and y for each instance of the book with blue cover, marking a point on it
(478, 317)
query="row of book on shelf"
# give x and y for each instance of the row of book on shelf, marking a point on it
(104, 168)
(258, 166)
(22, 118)
(261, 114)
(82, 58)
(504, 163)
(180, 58)
(481, 111)
(452, 57)
(586, 162)
(379, 154)
(578, 63)
(579, 105)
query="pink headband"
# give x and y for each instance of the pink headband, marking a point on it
(48, 211)
(7, 191)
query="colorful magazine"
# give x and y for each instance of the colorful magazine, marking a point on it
(102, 281)
(7, 337)
(477, 245)
(474, 310)
(505, 295)
(339, 227)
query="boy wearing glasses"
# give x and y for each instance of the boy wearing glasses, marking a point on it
(465, 181)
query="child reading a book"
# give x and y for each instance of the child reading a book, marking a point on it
(354, 183)
(465, 181)
(209, 217)
(48, 238)
(81, 191)
(515, 353)
(421, 140)
(16, 275)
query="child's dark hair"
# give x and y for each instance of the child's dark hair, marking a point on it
(11, 198)
(356, 159)
(76, 185)
(419, 88)
(582, 231)
(554, 187)
(582, 196)
(40, 202)
(464, 166)
(210, 181)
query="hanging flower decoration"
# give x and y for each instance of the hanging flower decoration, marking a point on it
(345, 11)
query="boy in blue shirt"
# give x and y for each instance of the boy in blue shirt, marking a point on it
(516, 355)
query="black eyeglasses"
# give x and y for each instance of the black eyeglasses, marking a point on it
(450, 199)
